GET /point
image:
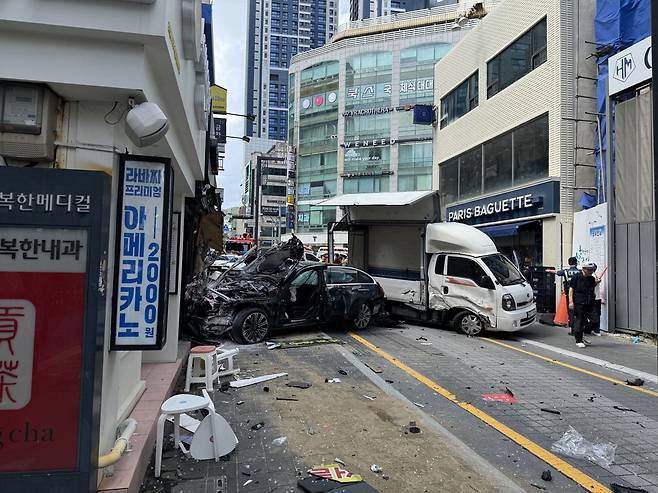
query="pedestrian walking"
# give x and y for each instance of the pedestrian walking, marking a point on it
(567, 274)
(594, 325)
(582, 300)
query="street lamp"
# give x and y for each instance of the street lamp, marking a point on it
(251, 118)
(244, 138)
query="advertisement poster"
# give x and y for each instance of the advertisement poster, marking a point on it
(590, 244)
(142, 261)
(42, 309)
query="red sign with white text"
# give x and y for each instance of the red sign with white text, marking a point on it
(42, 300)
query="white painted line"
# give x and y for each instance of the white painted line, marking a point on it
(595, 361)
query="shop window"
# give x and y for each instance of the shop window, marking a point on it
(465, 268)
(470, 174)
(498, 164)
(531, 151)
(273, 190)
(521, 57)
(460, 100)
(449, 181)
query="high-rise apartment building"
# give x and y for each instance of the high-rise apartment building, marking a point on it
(366, 9)
(279, 29)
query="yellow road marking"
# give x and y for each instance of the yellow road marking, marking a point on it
(564, 467)
(572, 367)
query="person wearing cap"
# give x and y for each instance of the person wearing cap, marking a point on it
(582, 300)
(567, 275)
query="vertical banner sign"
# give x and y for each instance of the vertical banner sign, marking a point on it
(142, 253)
(53, 246)
(290, 167)
(220, 129)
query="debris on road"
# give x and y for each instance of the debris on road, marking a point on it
(332, 380)
(376, 469)
(374, 368)
(617, 488)
(239, 403)
(287, 399)
(413, 428)
(389, 381)
(278, 442)
(247, 482)
(299, 385)
(573, 444)
(188, 422)
(244, 382)
(509, 392)
(258, 426)
(425, 343)
(342, 372)
(272, 345)
(369, 398)
(421, 338)
(552, 411)
(539, 487)
(306, 343)
(338, 461)
(636, 382)
(622, 408)
(506, 398)
(419, 404)
(311, 431)
(334, 472)
(546, 475)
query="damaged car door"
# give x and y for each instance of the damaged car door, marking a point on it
(354, 296)
(304, 298)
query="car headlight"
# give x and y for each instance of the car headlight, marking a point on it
(508, 303)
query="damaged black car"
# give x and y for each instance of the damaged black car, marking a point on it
(277, 289)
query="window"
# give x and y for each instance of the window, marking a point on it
(273, 190)
(531, 151)
(306, 278)
(498, 164)
(440, 264)
(345, 275)
(460, 100)
(465, 268)
(449, 180)
(470, 174)
(521, 57)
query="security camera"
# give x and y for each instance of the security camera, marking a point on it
(146, 124)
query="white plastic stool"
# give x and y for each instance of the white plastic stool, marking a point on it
(175, 406)
(204, 365)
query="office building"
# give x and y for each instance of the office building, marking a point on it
(367, 9)
(277, 30)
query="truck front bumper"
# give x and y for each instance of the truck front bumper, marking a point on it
(515, 320)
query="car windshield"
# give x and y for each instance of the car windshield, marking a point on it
(505, 271)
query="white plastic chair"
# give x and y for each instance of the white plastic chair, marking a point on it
(204, 365)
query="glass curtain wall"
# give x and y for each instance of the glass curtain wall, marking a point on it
(416, 87)
(318, 129)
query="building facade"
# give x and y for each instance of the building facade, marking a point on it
(91, 60)
(277, 30)
(366, 9)
(513, 148)
(350, 118)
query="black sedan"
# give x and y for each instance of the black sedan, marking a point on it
(309, 294)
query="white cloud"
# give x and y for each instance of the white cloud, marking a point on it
(229, 33)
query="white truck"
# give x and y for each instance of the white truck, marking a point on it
(430, 270)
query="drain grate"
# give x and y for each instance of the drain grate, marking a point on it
(215, 484)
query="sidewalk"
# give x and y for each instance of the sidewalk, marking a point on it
(328, 421)
(616, 349)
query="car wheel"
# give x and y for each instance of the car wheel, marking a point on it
(250, 326)
(363, 317)
(468, 323)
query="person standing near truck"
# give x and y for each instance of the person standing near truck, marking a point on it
(567, 274)
(582, 300)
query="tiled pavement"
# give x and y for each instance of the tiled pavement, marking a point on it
(471, 367)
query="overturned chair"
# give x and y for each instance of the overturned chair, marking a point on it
(207, 363)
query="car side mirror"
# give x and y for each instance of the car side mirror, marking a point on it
(486, 283)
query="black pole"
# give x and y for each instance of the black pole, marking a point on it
(256, 211)
(654, 79)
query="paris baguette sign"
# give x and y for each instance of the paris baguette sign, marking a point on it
(630, 67)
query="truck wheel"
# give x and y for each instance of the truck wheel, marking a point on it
(469, 324)
(363, 317)
(250, 326)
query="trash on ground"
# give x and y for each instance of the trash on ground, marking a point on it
(187, 422)
(244, 382)
(306, 343)
(239, 403)
(317, 485)
(425, 343)
(552, 411)
(573, 444)
(248, 481)
(375, 468)
(374, 368)
(509, 392)
(413, 427)
(342, 372)
(272, 345)
(258, 426)
(389, 381)
(421, 338)
(287, 399)
(637, 382)
(266, 389)
(419, 404)
(299, 385)
(335, 472)
(338, 461)
(506, 398)
(203, 442)
(333, 380)
(637, 340)
(278, 442)
(369, 398)
(546, 475)
(622, 408)
(617, 488)
(311, 431)
(539, 487)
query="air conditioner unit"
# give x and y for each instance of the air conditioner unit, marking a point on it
(28, 120)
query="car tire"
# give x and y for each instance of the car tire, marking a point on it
(363, 317)
(469, 324)
(250, 326)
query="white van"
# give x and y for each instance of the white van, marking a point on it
(447, 273)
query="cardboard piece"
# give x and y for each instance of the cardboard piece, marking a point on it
(335, 472)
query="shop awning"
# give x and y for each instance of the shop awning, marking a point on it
(377, 199)
(504, 229)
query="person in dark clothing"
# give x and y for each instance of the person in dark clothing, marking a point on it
(567, 275)
(582, 300)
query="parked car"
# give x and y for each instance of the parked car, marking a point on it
(224, 261)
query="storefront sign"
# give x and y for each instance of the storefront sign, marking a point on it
(352, 155)
(356, 174)
(270, 211)
(142, 277)
(369, 111)
(630, 67)
(538, 199)
(220, 131)
(383, 90)
(219, 99)
(53, 243)
(369, 143)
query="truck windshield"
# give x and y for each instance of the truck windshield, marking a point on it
(505, 271)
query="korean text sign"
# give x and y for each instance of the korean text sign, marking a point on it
(142, 257)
